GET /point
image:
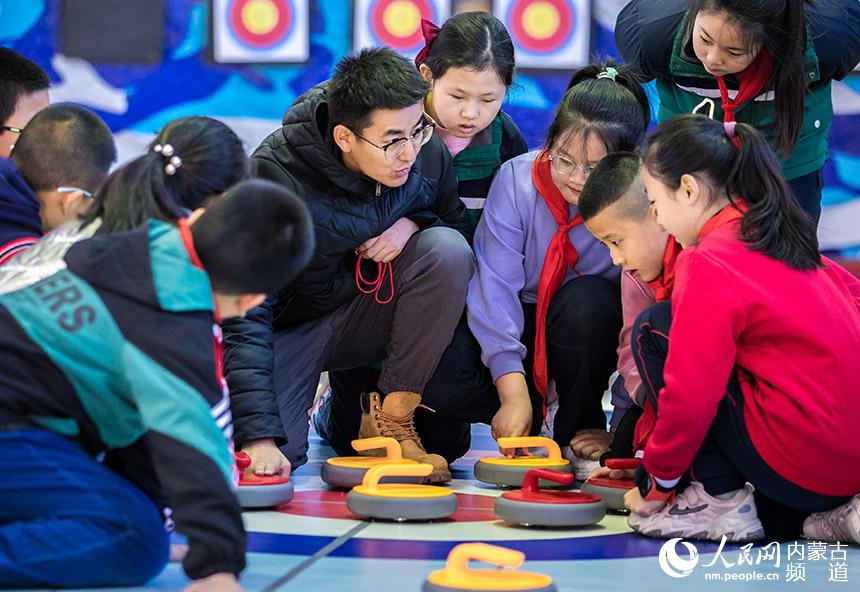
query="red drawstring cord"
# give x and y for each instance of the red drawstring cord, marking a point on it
(373, 287)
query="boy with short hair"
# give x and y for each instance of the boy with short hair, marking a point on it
(23, 93)
(118, 355)
(59, 161)
(617, 211)
(389, 275)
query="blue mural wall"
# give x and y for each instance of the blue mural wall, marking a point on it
(137, 100)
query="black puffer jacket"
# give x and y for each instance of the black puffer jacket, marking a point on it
(347, 208)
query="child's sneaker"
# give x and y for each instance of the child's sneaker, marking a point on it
(840, 525)
(694, 514)
(582, 467)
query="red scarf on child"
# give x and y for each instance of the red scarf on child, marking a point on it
(662, 285)
(753, 80)
(560, 255)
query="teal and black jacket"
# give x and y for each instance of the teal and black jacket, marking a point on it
(118, 353)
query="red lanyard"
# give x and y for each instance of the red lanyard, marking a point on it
(374, 286)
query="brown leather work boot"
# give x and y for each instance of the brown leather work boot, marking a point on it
(392, 416)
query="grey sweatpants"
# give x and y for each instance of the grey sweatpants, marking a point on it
(431, 276)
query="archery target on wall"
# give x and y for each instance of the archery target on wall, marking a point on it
(260, 31)
(547, 34)
(395, 23)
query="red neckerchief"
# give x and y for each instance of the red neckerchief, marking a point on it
(662, 285)
(730, 213)
(753, 80)
(560, 255)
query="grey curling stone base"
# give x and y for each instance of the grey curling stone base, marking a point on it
(537, 514)
(613, 497)
(349, 477)
(512, 476)
(430, 587)
(264, 496)
(400, 509)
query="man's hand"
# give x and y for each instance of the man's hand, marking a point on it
(388, 245)
(219, 582)
(266, 458)
(591, 444)
(514, 417)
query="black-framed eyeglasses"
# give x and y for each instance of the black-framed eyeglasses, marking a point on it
(395, 147)
(566, 167)
(14, 130)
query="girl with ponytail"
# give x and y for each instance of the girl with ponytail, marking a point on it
(766, 63)
(761, 392)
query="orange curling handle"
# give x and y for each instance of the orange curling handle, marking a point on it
(530, 481)
(374, 474)
(391, 446)
(462, 554)
(554, 452)
(457, 573)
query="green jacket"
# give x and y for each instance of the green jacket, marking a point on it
(654, 36)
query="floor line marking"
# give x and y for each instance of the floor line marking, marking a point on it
(316, 557)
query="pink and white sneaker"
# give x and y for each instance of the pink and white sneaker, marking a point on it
(694, 514)
(840, 525)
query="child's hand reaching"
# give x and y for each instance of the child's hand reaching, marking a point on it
(591, 444)
(266, 458)
(606, 472)
(388, 245)
(219, 582)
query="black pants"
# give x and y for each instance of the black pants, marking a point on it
(583, 323)
(727, 458)
(807, 190)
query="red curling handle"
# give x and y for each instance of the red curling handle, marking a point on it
(243, 461)
(623, 463)
(530, 481)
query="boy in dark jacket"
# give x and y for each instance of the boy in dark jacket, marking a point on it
(389, 275)
(58, 162)
(118, 356)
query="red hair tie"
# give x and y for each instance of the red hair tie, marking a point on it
(430, 31)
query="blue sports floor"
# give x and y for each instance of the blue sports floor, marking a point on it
(314, 544)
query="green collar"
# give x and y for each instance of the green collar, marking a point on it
(481, 160)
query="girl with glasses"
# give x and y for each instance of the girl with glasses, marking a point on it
(544, 303)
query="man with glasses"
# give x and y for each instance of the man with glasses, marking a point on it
(23, 93)
(59, 160)
(389, 274)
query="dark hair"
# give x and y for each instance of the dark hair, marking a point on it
(254, 239)
(778, 27)
(775, 224)
(212, 160)
(473, 40)
(64, 144)
(615, 176)
(374, 78)
(616, 111)
(19, 76)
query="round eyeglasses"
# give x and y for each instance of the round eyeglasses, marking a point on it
(395, 147)
(566, 167)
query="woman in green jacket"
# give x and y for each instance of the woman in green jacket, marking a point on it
(767, 63)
